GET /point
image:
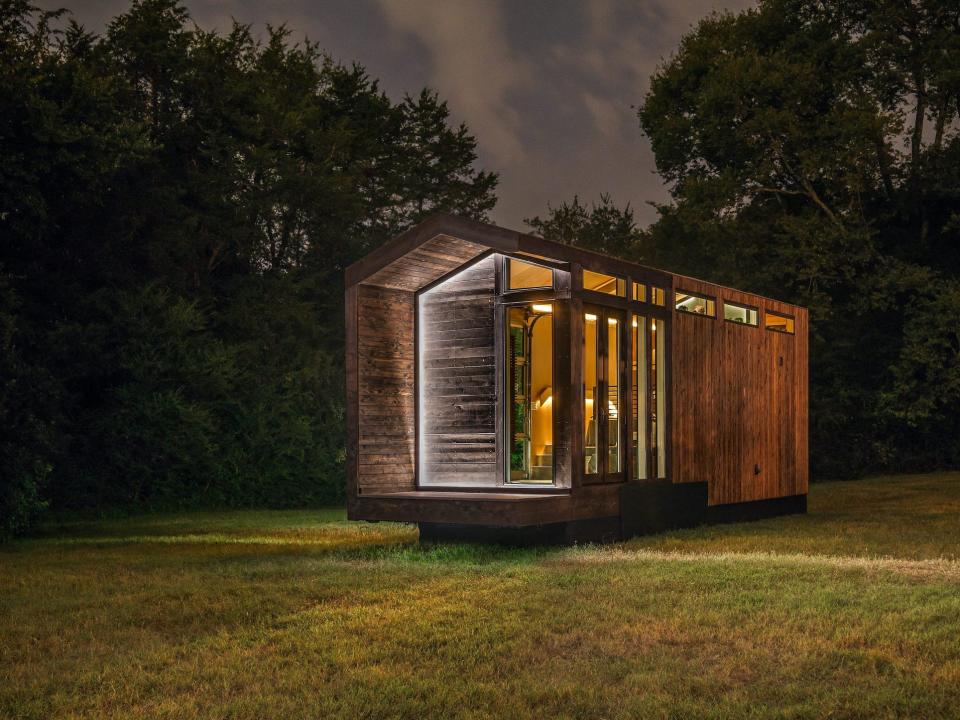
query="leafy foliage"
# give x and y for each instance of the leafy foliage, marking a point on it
(812, 152)
(177, 207)
(813, 155)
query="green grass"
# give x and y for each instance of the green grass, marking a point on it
(852, 611)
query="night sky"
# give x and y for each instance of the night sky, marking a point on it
(547, 87)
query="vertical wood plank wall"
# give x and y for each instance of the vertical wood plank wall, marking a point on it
(458, 379)
(385, 390)
(739, 417)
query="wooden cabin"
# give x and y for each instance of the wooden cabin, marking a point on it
(504, 386)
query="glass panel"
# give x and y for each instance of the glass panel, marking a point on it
(612, 383)
(530, 389)
(590, 393)
(639, 292)
(658, 296)
(739, 313)
(695, 304)
(658, 429)
(639, 404)
(608, 284)
(780, 323)
(524, 275)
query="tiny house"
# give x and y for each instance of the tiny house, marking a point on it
(503, 386)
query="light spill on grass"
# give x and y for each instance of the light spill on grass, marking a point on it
(945, 568)
(851, 612)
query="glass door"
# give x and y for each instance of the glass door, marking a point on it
(529, 385)
(648, 415)
(603, 394)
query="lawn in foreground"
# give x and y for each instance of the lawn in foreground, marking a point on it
(850, 611)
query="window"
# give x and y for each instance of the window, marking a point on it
(612, 386)
(740, 314)
(778, 323)
(658, 296)
(523, 275)
(639, 292)
(695, 304)
(602, 393)
(641, 399)
(529, 385)
(607, 284)
(591, 410)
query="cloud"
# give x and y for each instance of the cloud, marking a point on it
(473, 67)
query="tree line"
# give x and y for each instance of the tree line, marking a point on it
(177, 207)
(812, 149)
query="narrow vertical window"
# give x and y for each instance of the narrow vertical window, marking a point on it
(658, 296)
(639, 292)
(658, 421)
(529, 385)
(590, 407)
(640, 390)
(612, 385)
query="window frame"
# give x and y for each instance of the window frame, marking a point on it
(702, 296)
(742, 306)
(784, 316)
(620, 281)
(507, 290)
(506, 412)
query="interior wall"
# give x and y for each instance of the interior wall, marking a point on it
(457, 380)
(385, 387)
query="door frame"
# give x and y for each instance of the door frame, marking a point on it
(603, 313)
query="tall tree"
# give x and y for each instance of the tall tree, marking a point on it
(177, 207)
(811, 151)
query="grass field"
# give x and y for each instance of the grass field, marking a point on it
(852, 611)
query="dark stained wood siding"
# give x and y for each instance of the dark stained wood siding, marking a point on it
(426, 264)
(386, 436)
(458, 380)
(739, 416)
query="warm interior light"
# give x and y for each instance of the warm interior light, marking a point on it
(542, 308)
(545, 398)
(612, 321)
(590, 317)
(634, 322)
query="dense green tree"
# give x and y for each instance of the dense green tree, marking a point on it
(177, 207)
(602, 227)
(812, 150)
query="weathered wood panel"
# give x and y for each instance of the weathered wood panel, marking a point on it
(425, 264)
(384, 397)
(457, 376)
(739, 410)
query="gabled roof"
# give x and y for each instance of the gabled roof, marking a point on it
(442, 243)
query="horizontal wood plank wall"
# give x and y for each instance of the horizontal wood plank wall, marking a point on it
(739, 416)
(427, 263)
(385, 390)
(458, 379)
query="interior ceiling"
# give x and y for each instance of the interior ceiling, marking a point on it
(425, 264)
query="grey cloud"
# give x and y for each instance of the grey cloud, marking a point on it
(546, 86)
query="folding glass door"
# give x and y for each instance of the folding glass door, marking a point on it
(603, 396)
